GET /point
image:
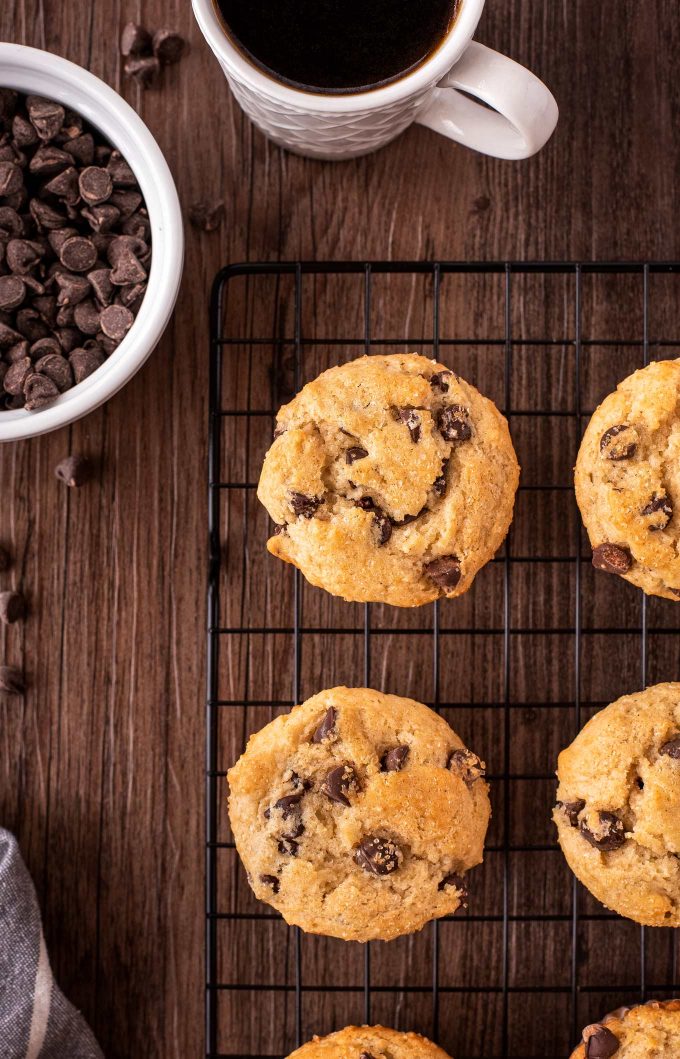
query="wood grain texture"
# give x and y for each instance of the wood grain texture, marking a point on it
(101, 763)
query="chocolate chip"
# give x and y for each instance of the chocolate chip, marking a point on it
(45, 217)
(440, 381)
(572, 809)
(288, 805)
(600, 1042)
(17, 374)
(72, 288)
(120, 171)
(453, 423)
(445, 571)
(100, 281)
(39, 391)
(56, 368)
(339, 782)
(65, 186)
(12, 607)
(354, 454)
(439, 486)
(23, 133)
(84, 362)
(49, 160)
(87, 316)
(206, 217)
(379, 856)
(22, 255)
(78, 254)
(671, 749)
(168, 46)
(327, 727)
(127, 268)
(619, 442)
(661, 508)
(126, 202)
(11, 222)
(46, 116)
(408, 519)
(466, 765)
(609, 833)
(81, 149)
(8, 337)
(271, 880)
(144, 71)
(95, 185)
(116, 321)
(74, 471)
(297, 781)
(101, 218)
(383, 525)
(12, 292)
(288, 847)
(11, 680)
(365, 503)
(134, 40)
(11, 178)
(411, 419)
(394, 760)
(458, 882)
(613, 558)
(138, 226)
(305, 505)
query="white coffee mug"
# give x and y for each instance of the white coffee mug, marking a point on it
(437, 94)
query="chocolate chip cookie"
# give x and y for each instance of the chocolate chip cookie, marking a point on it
(369, 1042)
(618, 809)
(628, 480)
(390, 479)
(358, 814)
(639, 1032)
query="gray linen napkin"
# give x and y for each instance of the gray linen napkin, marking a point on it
(36, 1019)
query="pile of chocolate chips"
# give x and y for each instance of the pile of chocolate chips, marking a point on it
(75, 247)
(146, 55)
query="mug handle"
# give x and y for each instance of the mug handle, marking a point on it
(524, 113)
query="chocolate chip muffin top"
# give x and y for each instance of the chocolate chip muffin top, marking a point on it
(618, 809)
(357, 814)
(628, 480)
(640, 1032)
(390, 479)
(369, 1042)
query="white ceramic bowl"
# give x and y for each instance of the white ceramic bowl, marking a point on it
(30, 70)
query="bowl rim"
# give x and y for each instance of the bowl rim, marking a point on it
(31, 70)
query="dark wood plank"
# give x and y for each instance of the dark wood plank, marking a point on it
(101, 764)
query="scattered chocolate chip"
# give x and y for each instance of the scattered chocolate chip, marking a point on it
(445, 571)
(5, 559)
(271, 880)
(394, 760)
(466, 765)
(619, 442)
(354, 454)
(12, 607)
(144, 71)
(134, 40)
(116, 321)
(411, 419)
(458, 882)
(454, 424)
(440, 381)
(12, 292)
(95, 185)
(288, 847)
(39, 391)
(206, 217)
(572, 809)
(612, 558)
(600, 1042)
(327, 727)
(383, 525)
(379, 856)
(11, 680)
(339, 782)
(607, 834)
(168, 46)
(74, 471)
(660, 507)
(305, 505)
(671, 749)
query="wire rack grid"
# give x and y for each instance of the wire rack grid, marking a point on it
(555, 956)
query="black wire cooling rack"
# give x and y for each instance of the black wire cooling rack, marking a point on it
(517, 665)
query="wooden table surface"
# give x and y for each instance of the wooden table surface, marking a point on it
(101, 762)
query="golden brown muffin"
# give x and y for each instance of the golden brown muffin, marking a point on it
(357, 814)
(618, 813)
(390, 479)
(369, 1042)
(647, 1031)
(628, 480)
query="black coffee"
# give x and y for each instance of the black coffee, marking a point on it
(337, 46)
